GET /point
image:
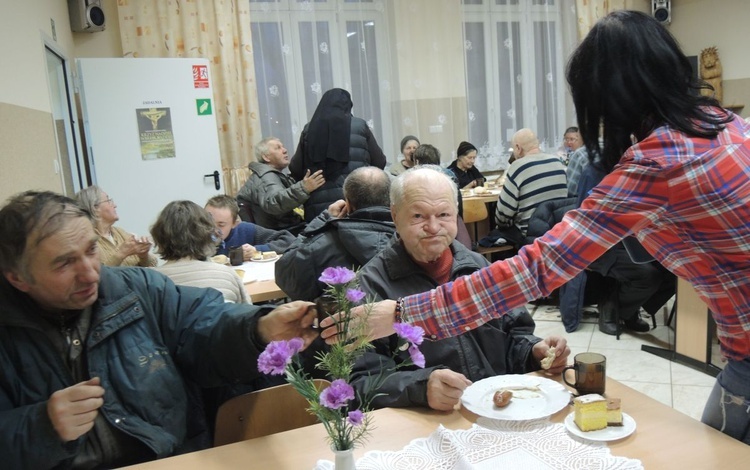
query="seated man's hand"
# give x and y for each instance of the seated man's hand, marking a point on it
(248, 251)
(338, 209)
(72, 410)
(314, 181)
(444, 389)
(289, 321)
(562, 351)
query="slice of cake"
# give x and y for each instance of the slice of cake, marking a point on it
(269, 254)
(614, 413)
(590, 412)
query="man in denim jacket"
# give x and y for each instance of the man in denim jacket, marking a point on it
(100, 364)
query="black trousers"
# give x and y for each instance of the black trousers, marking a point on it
(646, 286)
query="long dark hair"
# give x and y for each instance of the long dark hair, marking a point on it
(630, 76)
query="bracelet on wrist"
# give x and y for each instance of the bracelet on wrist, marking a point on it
(400, 315)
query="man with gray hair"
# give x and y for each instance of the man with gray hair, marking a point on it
(101, 365)
(272, 194)
(423, 256)
(348, 234)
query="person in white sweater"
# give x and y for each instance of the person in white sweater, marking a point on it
(185, 237)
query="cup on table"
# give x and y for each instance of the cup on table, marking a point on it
(590, 372)
(236, 256)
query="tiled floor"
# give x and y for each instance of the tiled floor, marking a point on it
(683, 388)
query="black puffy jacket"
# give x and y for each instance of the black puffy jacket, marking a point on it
(363, 151)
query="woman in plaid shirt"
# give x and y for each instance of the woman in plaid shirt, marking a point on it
(679, 180)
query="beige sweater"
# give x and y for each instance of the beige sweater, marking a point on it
(108, 250)
(191, 272)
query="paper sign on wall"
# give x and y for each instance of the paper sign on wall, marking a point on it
(200, 76)
(203, 106)
(155, 129)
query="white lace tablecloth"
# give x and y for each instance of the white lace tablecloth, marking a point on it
(492, 444)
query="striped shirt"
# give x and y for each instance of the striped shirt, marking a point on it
(686, 199)
(532, 180)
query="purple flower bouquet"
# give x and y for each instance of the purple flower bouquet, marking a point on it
(335, 406)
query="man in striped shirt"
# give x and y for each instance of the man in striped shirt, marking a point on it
(533, 178)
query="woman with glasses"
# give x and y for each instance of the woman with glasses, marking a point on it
(117, 247)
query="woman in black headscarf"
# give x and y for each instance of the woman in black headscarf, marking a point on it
(337, 143)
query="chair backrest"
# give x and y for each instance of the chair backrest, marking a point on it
(474, 210)
(263, 412)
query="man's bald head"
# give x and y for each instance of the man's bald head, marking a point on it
(525, 142)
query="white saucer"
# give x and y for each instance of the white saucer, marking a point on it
(610, 433)
(267, 260)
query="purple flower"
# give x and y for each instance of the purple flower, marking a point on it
(337, 394)
(354, 295)
(355, 417)
(416, 356)
(337, 275)
(274, 359)
(412, 334)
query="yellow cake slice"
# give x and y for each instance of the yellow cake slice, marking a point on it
(614, 413)
(590, 412)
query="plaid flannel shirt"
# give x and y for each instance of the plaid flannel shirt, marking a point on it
(686, 199)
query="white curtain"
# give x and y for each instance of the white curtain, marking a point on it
(443, 70)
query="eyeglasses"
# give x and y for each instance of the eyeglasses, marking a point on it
(109, 199)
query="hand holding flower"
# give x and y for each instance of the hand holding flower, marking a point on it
(378, 317)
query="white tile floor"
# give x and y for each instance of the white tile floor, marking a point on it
(683, 388)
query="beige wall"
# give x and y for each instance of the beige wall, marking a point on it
(29, 158)
(698, 24)
(27, 131)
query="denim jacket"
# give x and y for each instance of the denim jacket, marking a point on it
(147, 338)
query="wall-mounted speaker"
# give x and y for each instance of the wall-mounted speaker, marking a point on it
(662, 11)
(86, 16)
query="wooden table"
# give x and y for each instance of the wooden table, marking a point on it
(262, 286)
(664, 439)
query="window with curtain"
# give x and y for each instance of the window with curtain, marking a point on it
(303, 48)
(513, 58)
(514, 72)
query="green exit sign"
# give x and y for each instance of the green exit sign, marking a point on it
(203, 105)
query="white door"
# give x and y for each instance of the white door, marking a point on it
(151, 134)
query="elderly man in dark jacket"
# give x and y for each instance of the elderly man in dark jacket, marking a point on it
(272, 194)
(425, 255)
(359, 228)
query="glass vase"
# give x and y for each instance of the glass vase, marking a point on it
(344, 459)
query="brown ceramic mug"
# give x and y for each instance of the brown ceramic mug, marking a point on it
(590, 371)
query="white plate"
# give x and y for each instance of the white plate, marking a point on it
(268, 260)
(610, 433)
(550, 397)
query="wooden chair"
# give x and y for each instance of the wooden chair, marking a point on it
(263, 412)
(476, 211)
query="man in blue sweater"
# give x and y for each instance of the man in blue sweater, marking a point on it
(252, 238)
